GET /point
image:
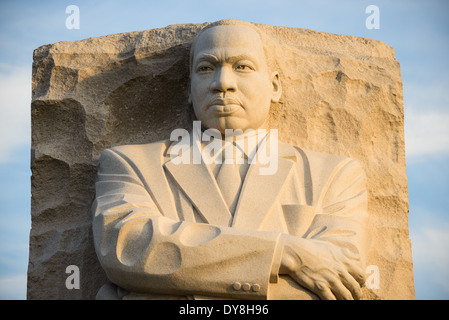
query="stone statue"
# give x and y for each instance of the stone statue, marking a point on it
(169, 226)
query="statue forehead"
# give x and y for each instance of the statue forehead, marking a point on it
(229, 36)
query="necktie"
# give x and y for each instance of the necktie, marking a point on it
(229, 179)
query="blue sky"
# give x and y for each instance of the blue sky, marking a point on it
(417, 29)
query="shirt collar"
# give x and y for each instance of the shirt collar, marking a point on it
(247, 142)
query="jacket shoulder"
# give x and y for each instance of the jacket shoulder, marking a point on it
(137, 152)
(321, 169)
(327, 165)
(321, 159)
(130, 148)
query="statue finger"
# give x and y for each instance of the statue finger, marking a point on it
(352, 285)
(340, 291)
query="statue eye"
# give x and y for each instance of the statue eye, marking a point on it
(244, 68)
(204, 68)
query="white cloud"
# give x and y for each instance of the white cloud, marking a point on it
(15, 101)
(426, 133)
(13, 287)
(430, 246)
(426, 107)
(430, 249)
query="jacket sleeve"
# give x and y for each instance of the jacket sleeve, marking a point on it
(343, 211)
(143, 251)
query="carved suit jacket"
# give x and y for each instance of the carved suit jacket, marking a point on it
(164, 229)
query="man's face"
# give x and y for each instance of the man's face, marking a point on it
(231, 87)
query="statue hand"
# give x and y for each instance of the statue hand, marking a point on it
(321, 267)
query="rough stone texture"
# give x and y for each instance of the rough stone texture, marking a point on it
(341, 95)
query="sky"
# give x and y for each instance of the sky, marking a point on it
(418, 30)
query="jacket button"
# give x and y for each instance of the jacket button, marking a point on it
(237, 285)
(256, 287)
(246, 286)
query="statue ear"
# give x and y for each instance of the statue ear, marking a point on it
(277, 88)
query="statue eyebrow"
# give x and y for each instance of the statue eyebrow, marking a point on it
(207, 57)
(214, 59)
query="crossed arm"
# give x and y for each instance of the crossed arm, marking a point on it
(143, 251)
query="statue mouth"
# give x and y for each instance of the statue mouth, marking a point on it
(225, 109)
(225, 106)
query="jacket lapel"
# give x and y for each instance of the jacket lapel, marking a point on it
(260, 192)
(257, 196)
(147, 162)
(200, 186)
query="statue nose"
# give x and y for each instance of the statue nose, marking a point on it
(224, 80)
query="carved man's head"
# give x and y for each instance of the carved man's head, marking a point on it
(232, 86)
